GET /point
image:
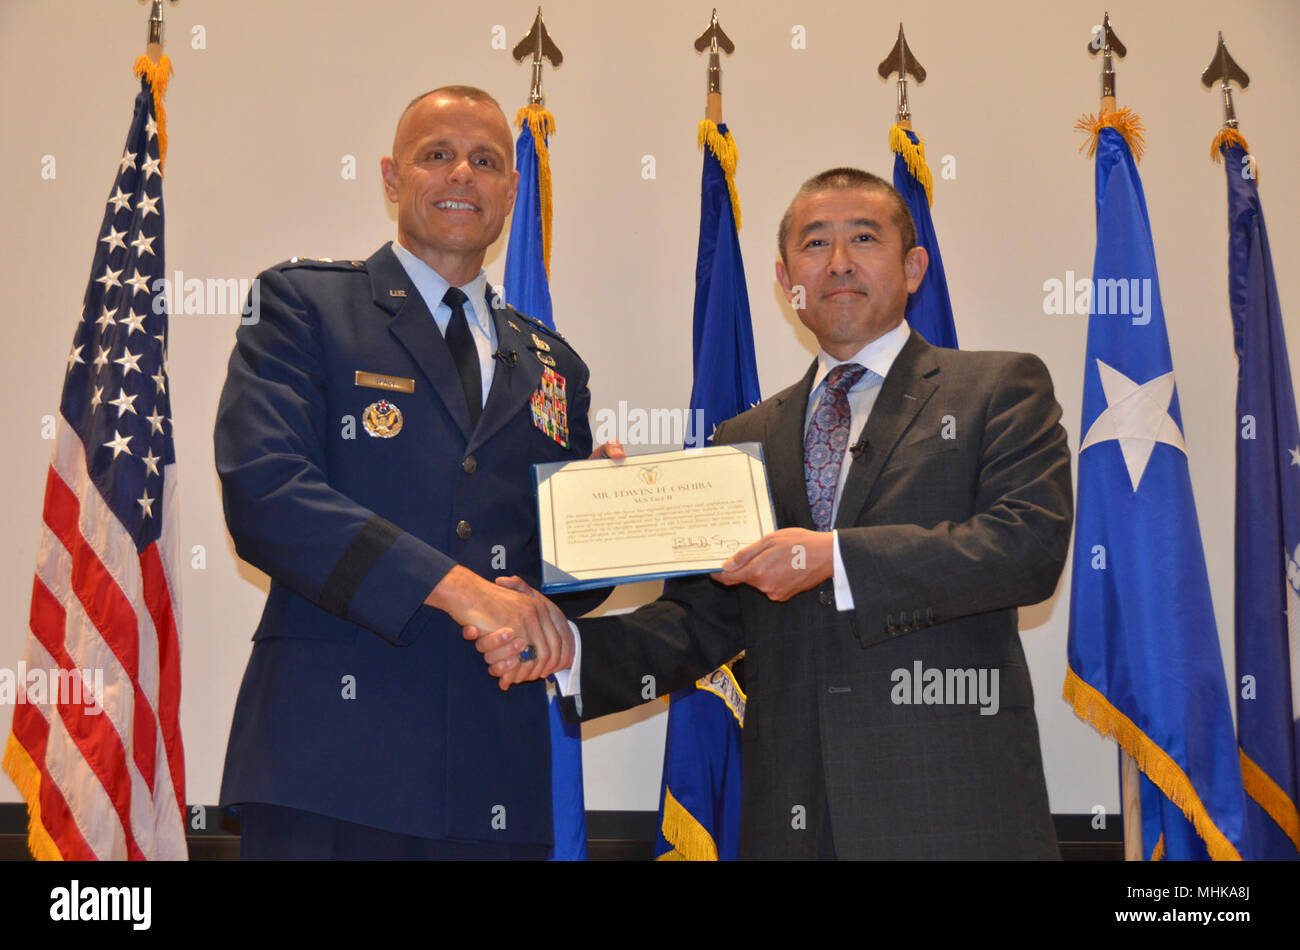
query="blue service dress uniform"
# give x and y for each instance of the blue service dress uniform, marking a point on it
(350, 475)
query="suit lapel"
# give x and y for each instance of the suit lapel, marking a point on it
(905, 390)
(783, 447)
(414, 327)
(514, 379)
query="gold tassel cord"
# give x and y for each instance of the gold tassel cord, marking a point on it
(914, 155)
(723, 148)
(158, 74)
(541, 124)
(1124, 121)
(1092, 707)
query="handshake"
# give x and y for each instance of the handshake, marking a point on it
(523, 636)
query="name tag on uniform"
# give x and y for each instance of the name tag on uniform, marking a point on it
(395, 384)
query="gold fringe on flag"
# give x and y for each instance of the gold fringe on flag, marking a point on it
(158, 74)
(1124, 121)
(723, 148)
(1158, 852)
(18, 763)
(914, 155)
(1092, 707)
(1231, 137)
(687, 836)
(1270, 796)
(541, 124)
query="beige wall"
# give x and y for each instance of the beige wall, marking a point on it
(263, 117)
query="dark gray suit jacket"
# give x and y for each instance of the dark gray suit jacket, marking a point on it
(957, 512)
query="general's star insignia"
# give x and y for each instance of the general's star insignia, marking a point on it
(1135, 416)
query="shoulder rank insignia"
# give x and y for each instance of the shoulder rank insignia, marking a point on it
(382, 420)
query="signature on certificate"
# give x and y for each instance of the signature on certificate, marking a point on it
(700, 544)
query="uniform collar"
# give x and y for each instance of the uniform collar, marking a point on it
(432, 286)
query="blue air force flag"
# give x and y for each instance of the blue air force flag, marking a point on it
(528, 289)
(699, 799)
(929, 310)
(1268, 525)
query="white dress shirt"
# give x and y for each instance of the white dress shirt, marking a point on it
(432, 286)
(877, 356)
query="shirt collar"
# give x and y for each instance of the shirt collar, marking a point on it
(433, 286)
(877, 356)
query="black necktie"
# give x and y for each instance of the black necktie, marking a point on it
(461, 343)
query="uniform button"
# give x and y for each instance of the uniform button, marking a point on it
(469, 465)
(462, 530)
(825, 598)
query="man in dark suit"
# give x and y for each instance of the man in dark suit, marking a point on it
(923, 495)
(374, 439)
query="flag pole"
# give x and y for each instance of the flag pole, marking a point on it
(1130, 791)
(153, 47)
(714, 40)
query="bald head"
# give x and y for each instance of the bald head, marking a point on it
(470, 93)
(452, 177)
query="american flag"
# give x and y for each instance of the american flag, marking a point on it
(102, 770)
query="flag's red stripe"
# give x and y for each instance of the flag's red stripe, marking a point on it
(108, 609)
(32, 732)
(94, 735)
(157, 597)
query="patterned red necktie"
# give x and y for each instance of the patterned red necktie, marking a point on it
(825, 441)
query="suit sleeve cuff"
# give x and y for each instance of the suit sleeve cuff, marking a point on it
(569, 680)
(843, 592)
(389, 597)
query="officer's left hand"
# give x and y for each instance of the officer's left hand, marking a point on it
(613, 449)
(783, 563)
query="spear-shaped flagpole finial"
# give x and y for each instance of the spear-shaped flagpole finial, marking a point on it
(900, 60)
(715, 41)
(1105, 41)
(538, 44)
(1225, 69)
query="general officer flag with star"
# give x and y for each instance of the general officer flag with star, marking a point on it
(1144, 658)
(1268, 522)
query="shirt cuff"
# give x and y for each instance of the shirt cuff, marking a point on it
(843, 592)
(569, 680)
